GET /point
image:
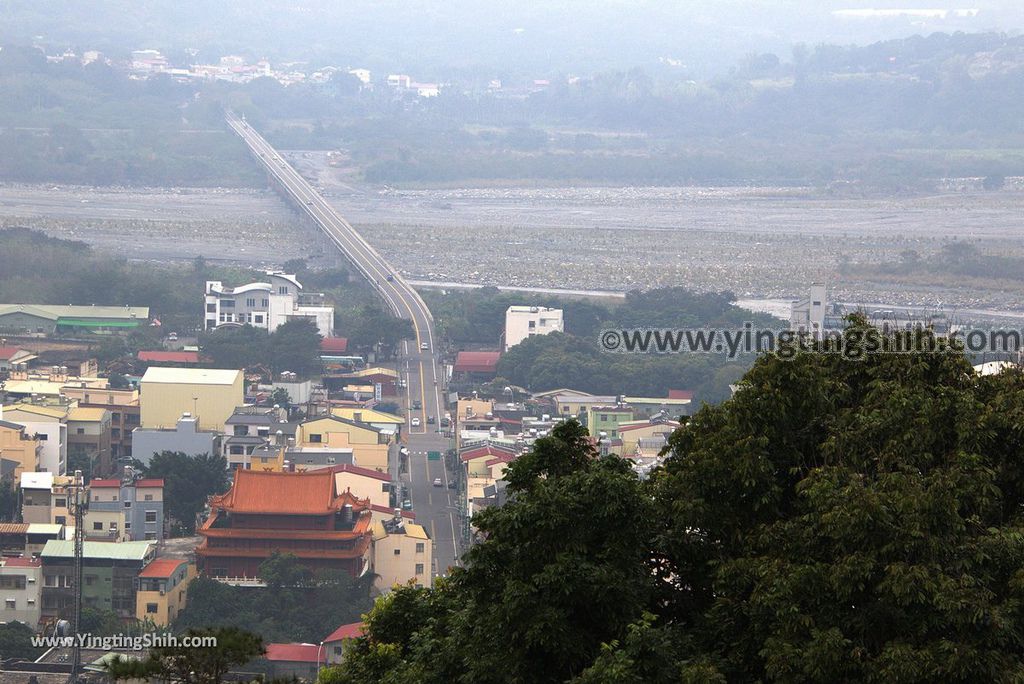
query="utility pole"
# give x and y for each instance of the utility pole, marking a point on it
(79, 497)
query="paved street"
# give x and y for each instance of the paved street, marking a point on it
(434, 506)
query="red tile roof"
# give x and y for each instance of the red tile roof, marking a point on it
(105, 483)
(22, 562)
(384, 509)
(8, 352)
(477, 361)
(669, 425)
(480, 452)
(307, 493)
(680, 394)
(334, 344)
(156, 356)
(161, 567)
(294, 653)
(358, 470)
(350, 631)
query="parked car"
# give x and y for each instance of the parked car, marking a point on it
(437, 482)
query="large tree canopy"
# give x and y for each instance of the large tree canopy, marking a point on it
(837, 520)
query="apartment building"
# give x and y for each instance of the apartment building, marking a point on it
(522, 322)
(266, 305)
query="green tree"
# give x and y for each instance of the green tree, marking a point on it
(16, 641)
(838, 519)
(8, 499)
(563, 570)
(295, 347)
(188, 483)
(244, 347)
(849, 520)
(192, 665)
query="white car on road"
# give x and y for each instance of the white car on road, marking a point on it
(415, 422)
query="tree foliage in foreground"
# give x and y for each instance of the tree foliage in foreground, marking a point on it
(837, 520)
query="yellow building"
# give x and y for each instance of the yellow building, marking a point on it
(364, 483)
(163, 588)
(572, 403)
(631, 433)
(385, 422)
(19, 451)
(268, 459)
(369, 445)
(209, 394)
(472, 408)
(402, 551)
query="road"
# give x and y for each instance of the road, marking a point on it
(435, 507)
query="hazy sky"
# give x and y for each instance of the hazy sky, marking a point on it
(435, 37)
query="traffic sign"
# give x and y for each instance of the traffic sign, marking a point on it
(433, 455)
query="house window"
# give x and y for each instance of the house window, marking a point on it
(316, 439)
(211, 308)
(97, 527)
(127, 525)
(251, 301)
(151, 516)
(90, 580)
(419, 568)
(259, 318)
(42, 437)
(127, 504)
(60, 520)
(80, 431)
(227, 303)
(10, 604)
(151, 608)
(282, 290)
(419, 547)
(60, 503)
(150, 536)
(398, 552)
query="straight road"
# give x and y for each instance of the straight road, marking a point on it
(435, 507)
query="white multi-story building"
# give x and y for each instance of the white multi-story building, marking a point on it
(21, 581)
(266, 305)
(525, 321)
(808, 314)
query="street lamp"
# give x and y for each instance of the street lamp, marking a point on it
(318, 649)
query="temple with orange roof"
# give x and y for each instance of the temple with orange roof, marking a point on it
(302, 514)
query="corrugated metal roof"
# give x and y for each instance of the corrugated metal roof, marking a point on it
(48, 411)
(137, 550)
(77, 311)
(191, 376)
(83, 414)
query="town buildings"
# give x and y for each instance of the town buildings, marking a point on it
(109, 572)
(208, 394)
(266, 305)
(163, 590)
(45, 319)
(402, 552)
(185, 437)
(19, 451)
(298, 513)
(522, 322)
(124, 510)
(49, 426)
(21, 581)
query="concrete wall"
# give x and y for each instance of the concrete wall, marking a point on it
(164, 403)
